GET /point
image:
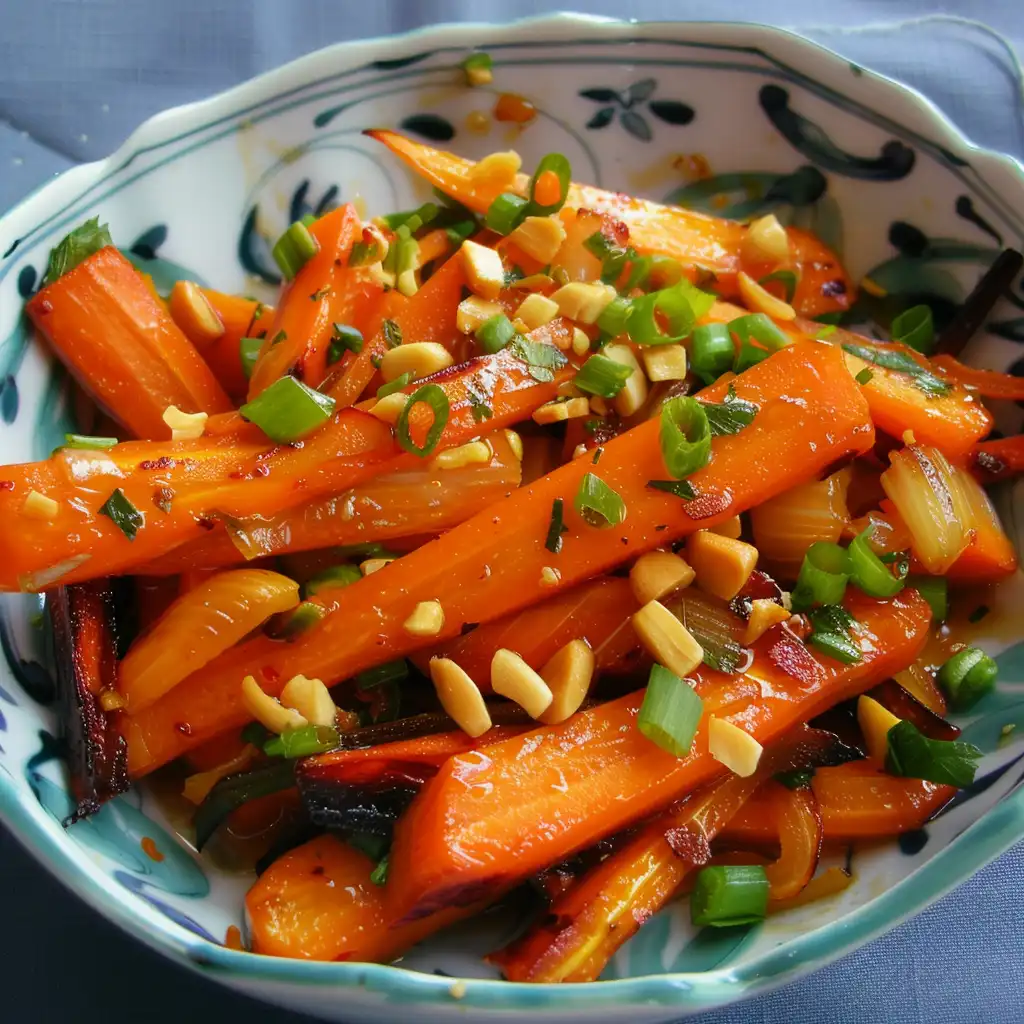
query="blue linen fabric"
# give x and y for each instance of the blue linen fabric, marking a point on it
(79, 75)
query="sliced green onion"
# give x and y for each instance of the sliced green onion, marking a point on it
(407, 222)
(912, 755)
(308, 219)
(825, 332)
(506, 213)
(670, 713)
(459, 231)
(599, 504)
(344, 338)
(729, 894)
(967, 677)
(294, 249)
(915, 327)
(335, 576)
(787, 278)
(89, 442)
(615, 315)
(868, 571)
(864, 377)
(379, 875)
(235, 790)
(823, 576)
(678, 306)
(639, 271)
(562, 169)
(935, 590)
(288, 410)
(248, 353)
(602, 376)
(430, 395)
(403, 380)
(303, 616)
(391, 673)
(685, 436)
(126, 517)
(310, 739)
(556, 527)
(495, 333)
(712, 351)
(755, 327)
(831, 634)
(362, 254)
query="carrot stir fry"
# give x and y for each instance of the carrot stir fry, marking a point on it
(527, 535)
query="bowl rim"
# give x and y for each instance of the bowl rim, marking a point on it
(967, 853)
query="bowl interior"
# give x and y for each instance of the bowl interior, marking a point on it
(730, 120)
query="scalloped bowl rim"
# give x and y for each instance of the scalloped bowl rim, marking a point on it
(987, 837)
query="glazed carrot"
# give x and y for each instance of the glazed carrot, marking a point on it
(227, 475)
(857, 801)
(597, 611)
(121, 345)
(988, 383)
(382, 509)
(695, 239)
(540, 798)
(202, 623)
(242, 318)
(1002, 459)
(317, 903)
(298, 335)
(797, 818)
(492, 564)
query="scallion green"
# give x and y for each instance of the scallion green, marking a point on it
(678, 306)
(334, 576)
(558, 165)
(615, 316)
(602, 376)
(599, 504)
(403, 380)
(125, 516)
(310, 739)
(495, 333)
(712, 351)
(294, 249)
(868, 571)
(935, 590)
(506, 213)
(915, 327)
(344, 338)
(434, 397)
(89, 443)
(248, 353)
(288, 410)
(685, 436)
(670, 713)
(967, 676)
(824, 573)
(726, 895)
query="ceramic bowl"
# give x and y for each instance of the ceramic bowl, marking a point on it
(728, 118)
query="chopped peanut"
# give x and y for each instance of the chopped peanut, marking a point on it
(722, 564)
(764, 613)
(580, 450)
(665, 362)
(38, 506)
(311, 699)
(372, 565)
(729, 528)
(536, 310)
(511, 677)
(568, 674)
(460, 697)
(583, 301)
(875, 722)
(275, 716)
(539, 237)
(427, 619)
(475, 453)
(580, 342)
(474, 311)
(768, 238)
(496, 170)
(555, 412)
(634, 393)
(761, 300)
(484, 271)
(390, 407)
(549, 577)
(515, 442)
(111, 700)
(659, 573)
(191, 311)
(185, 426)
(667, 640)
(420, 358)
(730, 745)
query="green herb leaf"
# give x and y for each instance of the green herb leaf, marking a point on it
(379, 875)
(79, 245)
(912, 755)
(344, 338)
(831, 633)
(542, 359)
(248, 353)
(901, 362)
(730, 416)
(680, 488)
(126, 517)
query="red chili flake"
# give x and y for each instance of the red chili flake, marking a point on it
(689, 845)
(164, 462)
(704, 506)
(6, 485)
(787, 653)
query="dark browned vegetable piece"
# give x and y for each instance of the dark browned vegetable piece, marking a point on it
(986, 293)
(85, 648)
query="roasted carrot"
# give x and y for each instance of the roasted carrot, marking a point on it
(226, 475)
(1002, 459)
(241, 318)
(202, 623)
(809, 408)
(538, 799)
(121, 345)
(324, 290)
(317, 903)
(419, 500)
(989, 383)
(857, 801)
(597, 611)
(695, 239)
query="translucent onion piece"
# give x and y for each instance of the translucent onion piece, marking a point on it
(922, 485)
(786, 526)
(37, 581)
(209, 619)
(919, 681)
(716, 629)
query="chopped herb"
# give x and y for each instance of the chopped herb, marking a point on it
(831, 634)
(79, 245)
(392, 333)
(126, 517)
(376, 361)
(730, 416)
(787, 278)
(248, 353)
(481, 411)
(512, 275)
(379, 875)
(795, 779)
(279, 337)
(912, 755)
(864, 377)
(542, 359)
(556, 528)
(680, 488)
(344, 338)
(979, 613)
(901, 362)
(388, 674)
(598, 452)
(599, 504)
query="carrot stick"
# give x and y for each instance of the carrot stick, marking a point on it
(597, 611)
(457, 842)
(121, 345)
(1002, 459)
(695, 239)
(492, 564)
(988, 383)
(242, 318)
(384, 508)
(236, 475)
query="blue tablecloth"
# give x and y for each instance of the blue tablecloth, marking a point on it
(78, 76)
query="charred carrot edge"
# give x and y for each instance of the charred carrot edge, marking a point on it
(453, 844)
(695, 239)
(809, 407)
(121, 345)
(1003, 459)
